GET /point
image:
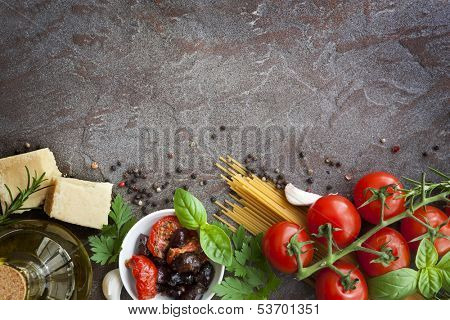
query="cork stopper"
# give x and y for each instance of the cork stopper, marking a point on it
(13, 285)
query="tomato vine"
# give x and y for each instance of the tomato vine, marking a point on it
(421, 194)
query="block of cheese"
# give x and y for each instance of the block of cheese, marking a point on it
(13, 174)
(79, 202)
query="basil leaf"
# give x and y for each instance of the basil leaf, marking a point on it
(393, 285)
(427, 255)
(430, 282)
(444, 266)
(189, 210)
(216, 244)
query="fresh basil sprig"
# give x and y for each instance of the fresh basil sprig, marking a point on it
(432, 275)
(192, 215)
(428, 280)
(393, 285)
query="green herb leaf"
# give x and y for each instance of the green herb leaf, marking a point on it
(120, 212)
(427, 255)
(107, 245)
(223, 227)
(216, 244)
(250, 269)
(103, 248)
(444, 266)
(430, 281)
(189, 210)
(238, 238)
(233, 289)
(393, 285)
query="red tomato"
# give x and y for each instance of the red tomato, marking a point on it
(274, 245)
(389, 238)
(338, 211)
(146, 276)
(412, 229)
(160, 234)
(371, 211)
(330, 287)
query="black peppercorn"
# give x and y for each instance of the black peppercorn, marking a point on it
(425, 154)
(213, 199)
(329, 187)
(436, 148)
(222, 128)
(113, 168)
(193, 176)
(310, 180)
(301, 155)
(178, 170)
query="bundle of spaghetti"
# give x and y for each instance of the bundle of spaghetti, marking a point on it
(257, 204)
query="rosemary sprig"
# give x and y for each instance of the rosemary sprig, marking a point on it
(34, 184)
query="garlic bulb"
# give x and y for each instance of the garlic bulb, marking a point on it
(112, 285)
(299, 197)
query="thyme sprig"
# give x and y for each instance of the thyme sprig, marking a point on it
(421, 194)
(15, 205)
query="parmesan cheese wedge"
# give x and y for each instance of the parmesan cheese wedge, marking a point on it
(79, 202)
(13, 174)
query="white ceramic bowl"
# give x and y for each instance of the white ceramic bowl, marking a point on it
(129, 248)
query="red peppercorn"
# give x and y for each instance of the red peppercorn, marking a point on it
(395, 149)
(121, 184)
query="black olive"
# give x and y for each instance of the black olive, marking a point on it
(175, 279)
(157, 261)
(194, 293)
(206, 274)
(142, 245)
(163, 274)
(179, 238)
(176, 292)
(187, 262)
(187, 278)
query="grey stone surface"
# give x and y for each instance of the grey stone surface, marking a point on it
(116, 80)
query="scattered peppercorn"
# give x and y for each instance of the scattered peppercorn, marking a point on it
(153, 204)
(178, 170)
(436, 148)
(327, 160)
(193, 176)
(425, 154)
(348, 177)
(121, 184)
(328, 171)
(185, 187)
(382, 140)
(213, 136)
(113, 168)
(222, 128)
(310, 180)
(27, 145)
(310, 172)
(328, 187)
(203, 182)
(301, 155)
(338, 164)
(213, 199)
(166, 200)
(395, 149)
(119, 163)
(170, 155)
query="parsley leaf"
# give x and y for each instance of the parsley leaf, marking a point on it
(252, 277)
(106, 246)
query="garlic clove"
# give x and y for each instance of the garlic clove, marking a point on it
(112, 285)
(299, 197)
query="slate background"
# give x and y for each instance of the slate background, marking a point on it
(91, 79)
